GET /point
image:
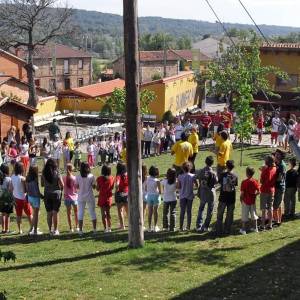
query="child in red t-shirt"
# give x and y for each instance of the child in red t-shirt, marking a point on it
(121, 196)
(249, 191)
(105, 185)
(267, 190)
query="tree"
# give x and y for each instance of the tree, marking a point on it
(184, 43)
(154, 42)
(30, 24)
(117, 101)
(238, 74)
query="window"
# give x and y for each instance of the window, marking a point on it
(52, 85)
(80, 82)
(51, 64)
(67, 84)
(37, 82)
(80, 64)
(66, 66)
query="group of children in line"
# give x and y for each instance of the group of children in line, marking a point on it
(276, 187)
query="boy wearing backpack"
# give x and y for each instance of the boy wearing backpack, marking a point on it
(207, 194)
(229, 182)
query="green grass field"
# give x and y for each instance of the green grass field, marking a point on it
(170, 266)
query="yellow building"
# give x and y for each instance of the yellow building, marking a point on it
(177, 94)
(285, 56)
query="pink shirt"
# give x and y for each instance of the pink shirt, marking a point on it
(70, 192)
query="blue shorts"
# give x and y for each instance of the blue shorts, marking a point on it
(69, 202)
(153, 199)
(35, 202)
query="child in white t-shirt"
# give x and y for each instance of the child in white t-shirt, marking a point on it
(169, 185)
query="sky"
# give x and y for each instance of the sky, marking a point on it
(271, 12)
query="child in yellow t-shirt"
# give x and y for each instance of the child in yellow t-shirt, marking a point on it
(124, 153)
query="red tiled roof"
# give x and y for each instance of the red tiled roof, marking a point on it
(279, 46)
(96, 90)
(56, 50)
(3, 52)
(157, 55)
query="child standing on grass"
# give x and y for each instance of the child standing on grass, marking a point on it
(13, 152)
(34, 197)
(153, 192)
(105, 185)
(24, 156)
(66, 154)
(169, 185)
(267, 190)
(144, 177)
(86, 183)
(207, 194)
(19, 192)
(249, 191)
(6, 197)
(46, 150)
(90, 153)
(229, 182)
(77, 156)
(186, 183)
(71, 197)
(291, 189)
(121, 195)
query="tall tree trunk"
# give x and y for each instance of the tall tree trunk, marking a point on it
(133, 124)
(32, 100)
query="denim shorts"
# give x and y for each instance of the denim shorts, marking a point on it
(69, 202)
(35, 202)
(153, 199)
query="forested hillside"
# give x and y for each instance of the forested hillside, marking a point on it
(103, 32)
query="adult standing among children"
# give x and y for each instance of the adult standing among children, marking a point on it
(53, 184)
(194, 141)
(183, 151)
(148, 136)
(178, 130)
(70, 143)
(279, 186)
(54, 131)
(224, 153)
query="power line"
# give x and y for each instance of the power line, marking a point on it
(252, 19)
(233, 43)
(221, 23)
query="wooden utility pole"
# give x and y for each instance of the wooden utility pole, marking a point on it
(133, 125)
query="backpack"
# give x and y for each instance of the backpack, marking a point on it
(229, 183)
(206, 179)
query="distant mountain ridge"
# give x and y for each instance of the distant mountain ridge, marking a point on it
(112, 24)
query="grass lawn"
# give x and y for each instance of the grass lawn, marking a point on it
(170, 266)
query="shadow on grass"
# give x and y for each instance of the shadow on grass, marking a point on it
(64, 260)
(274, 276)
(174, 259)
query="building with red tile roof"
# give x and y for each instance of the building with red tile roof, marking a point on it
(60, 67)
(101, 89)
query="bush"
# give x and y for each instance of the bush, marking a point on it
(156, 76)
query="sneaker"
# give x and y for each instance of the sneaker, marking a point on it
(262, 228)
(39, 232)
(149, 230)
(105, 230)
(199, 229)
(21, 231)
(71, 230)
(156, 229)
(56, 232)
(165, 229)
(254, 230)
(80, 232)
(243, 232)
(77, 229)
(108, 229)
(206, 229)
